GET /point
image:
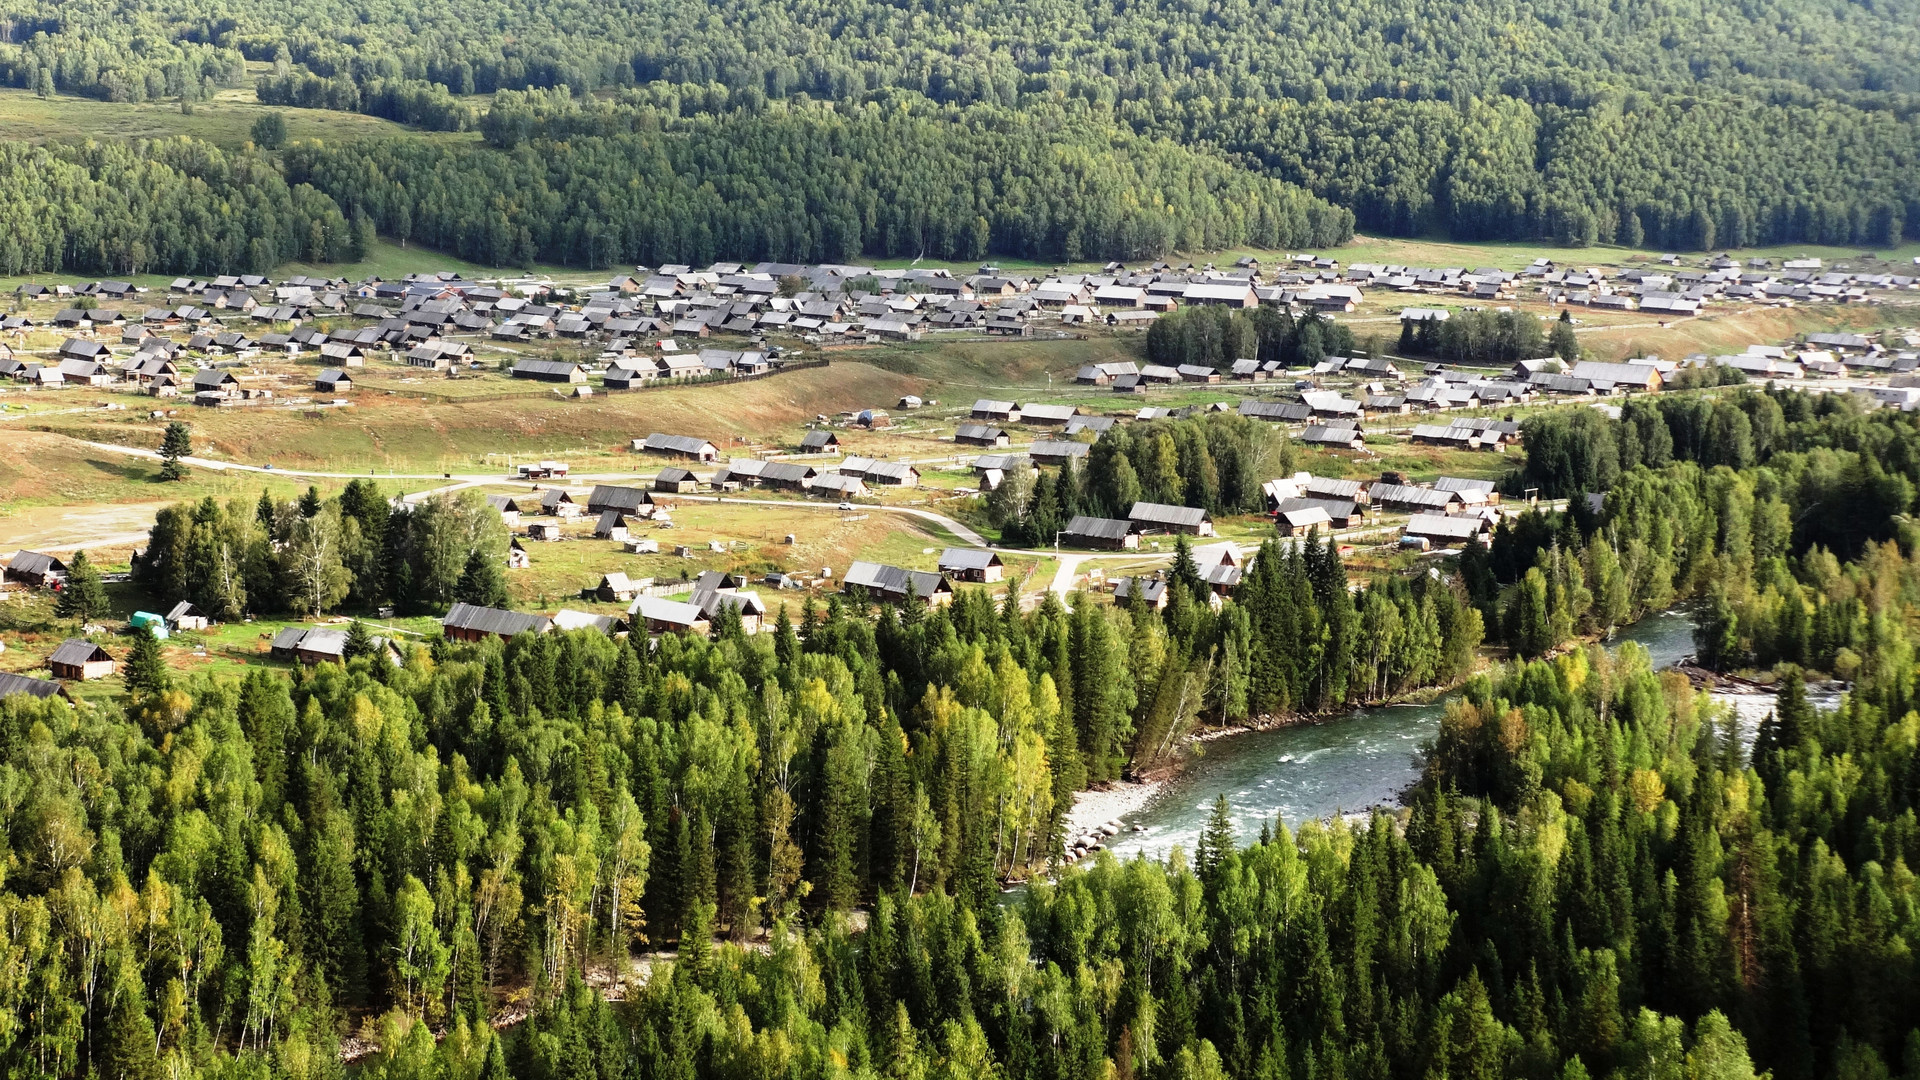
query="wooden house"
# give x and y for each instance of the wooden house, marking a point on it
(78, 658)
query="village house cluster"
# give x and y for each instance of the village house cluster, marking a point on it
(647, 327)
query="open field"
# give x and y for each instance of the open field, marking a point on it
(1512, 255)
(391, 432)
(227, 120)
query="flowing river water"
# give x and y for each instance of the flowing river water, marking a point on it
(1344, 765)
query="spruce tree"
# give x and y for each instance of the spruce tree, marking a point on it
(481, 582)
(82, 596)
(146, 669)
(1216, 839)
(359, 642)
(174, 446)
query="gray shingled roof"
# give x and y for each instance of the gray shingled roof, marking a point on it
(77, 651)
(616, 497)
(892, 580)
(1162, 514)
(1275, 411)
(11, 684)
(495, 621)
(678, 444)
(968, 559)
(1098, 528)
(35, 562)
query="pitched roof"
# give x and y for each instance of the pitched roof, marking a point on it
(1277, 411)
(679, 444)
(894, 580)
(1334, 488)
(488, 620)
(1445, 526)
(11, 684)
(671, 612)
(1098, 528)
(1046, 412)
(77, 651)
(35, 562)
(1162, 514)
(968, 559)
(1059, 448)
(710, 601)
(617, 497)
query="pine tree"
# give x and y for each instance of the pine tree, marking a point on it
(1216, 839)
(1185, 571)
(310, 502)
(1562, 342)
(82, 596)
(786, 644)
(359, 641)
(481, 582)
(146, 670)
(174, 446)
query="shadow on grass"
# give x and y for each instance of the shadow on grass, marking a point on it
(123, 469)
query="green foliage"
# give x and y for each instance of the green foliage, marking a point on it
(1589, 880)
(69, 210)
(811, 184)
(1558, 121)
(270, 131)
(1735, 498)
(146, 668)
(1215, 461)
(311, 556)
(1216, 336)
(176, 444)
(82, 596)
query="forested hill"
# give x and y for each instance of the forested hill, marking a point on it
(1688, 125)
(813, 185)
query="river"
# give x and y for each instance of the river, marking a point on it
(1344, 765)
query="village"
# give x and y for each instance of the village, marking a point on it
(1404, 455)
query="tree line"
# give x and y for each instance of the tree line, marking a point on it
(1594, 878)
(1690, 128)
(166, 205)
(311, 556)
(1213, 461)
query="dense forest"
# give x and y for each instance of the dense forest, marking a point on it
(1215, 461)
(172, 205)
(1600, 874)
(1787, 515)
(1696, 125)
(816, 185)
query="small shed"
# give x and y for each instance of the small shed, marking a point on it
(184, 616)
(78, 658)
(617, 586)
(675, 480)
(611, 526)
(972, 564)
